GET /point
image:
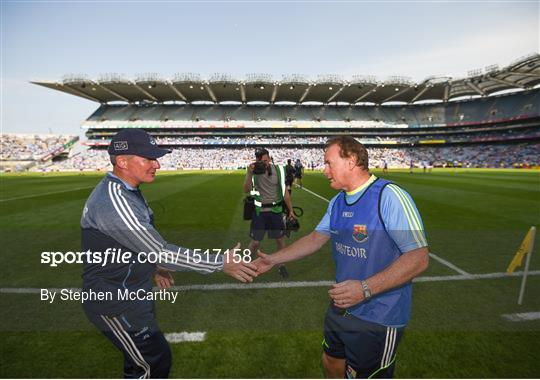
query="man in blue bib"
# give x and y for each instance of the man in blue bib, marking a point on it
(378, 246)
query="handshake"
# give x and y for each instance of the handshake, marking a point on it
(242, 270)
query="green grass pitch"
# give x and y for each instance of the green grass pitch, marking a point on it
(474, 219)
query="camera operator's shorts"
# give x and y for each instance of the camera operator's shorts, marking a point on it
(267, 221)
(369, 349)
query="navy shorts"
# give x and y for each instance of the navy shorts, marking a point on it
(267, 221)
(369, 349)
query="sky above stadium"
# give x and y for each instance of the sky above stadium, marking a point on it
(45, 40)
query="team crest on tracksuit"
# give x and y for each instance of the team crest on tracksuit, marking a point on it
(360, 233)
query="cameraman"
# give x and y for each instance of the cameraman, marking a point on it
(266, 184)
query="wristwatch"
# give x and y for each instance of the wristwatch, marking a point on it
(367, 290)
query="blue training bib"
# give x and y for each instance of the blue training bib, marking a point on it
(362, 247)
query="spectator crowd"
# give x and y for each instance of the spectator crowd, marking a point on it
(29, 147)
(219, 158)
(226, 157)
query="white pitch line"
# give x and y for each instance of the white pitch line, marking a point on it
(262, 285)
(42, 194)
(317, 195)
(448, 264)
(288, 285)
(439, 259)
(465, 277)
(521, 317)
(179, 337)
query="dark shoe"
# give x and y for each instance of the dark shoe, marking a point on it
(283, 272)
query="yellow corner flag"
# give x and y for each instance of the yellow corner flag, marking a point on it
(522, 251)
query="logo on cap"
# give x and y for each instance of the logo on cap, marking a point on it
(120, 145)
(152, 141)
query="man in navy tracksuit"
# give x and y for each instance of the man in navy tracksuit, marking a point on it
(378, 246)
(116, 218)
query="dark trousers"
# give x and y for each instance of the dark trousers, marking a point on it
(135, 333)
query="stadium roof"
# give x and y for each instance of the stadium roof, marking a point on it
(524, 73)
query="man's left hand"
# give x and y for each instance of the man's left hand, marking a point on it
(163, 279)
(347, 293)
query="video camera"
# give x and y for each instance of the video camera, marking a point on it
(259, 167)
(292, 224)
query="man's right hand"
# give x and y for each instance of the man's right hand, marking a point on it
(241, 270)
(263, 263)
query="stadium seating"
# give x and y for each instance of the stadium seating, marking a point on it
(184, 158)
(28, 147)
(488, 132)
(485, 110)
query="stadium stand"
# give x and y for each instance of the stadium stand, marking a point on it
(24, 147)
(223, 142)
(215, 124)
(22, 151)
(522, 155)
(478, 111)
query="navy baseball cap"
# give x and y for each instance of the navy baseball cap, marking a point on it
(137, 142)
